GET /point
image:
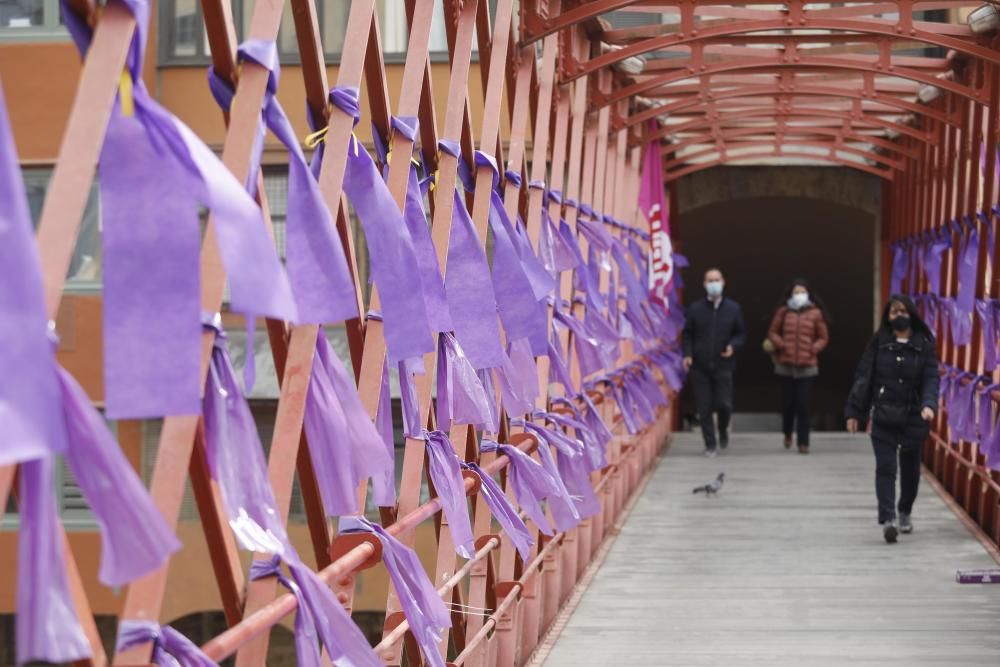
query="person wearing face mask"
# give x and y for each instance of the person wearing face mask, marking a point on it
(798, 333)
(896, 385)
(713, 333)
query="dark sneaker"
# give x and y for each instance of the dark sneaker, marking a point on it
(788, 442)
(803, 449)
(890, 531)
(905, 525)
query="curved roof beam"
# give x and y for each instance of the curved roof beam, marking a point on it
(886, 174)
(784, 134)
(778, 89)
(802, 113)
(782, 146)
(730, 67)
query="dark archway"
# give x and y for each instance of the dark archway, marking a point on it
(762, 243)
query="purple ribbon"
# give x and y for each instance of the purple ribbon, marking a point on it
(585, 441)
(384, 486)
(503, 511)
(985, 309)
(558, 370)
(461, 397)
(561, 504)
(306, 637)
(170, 648)
(151, 277)
(426, 613)
(898, 268)
(435, 298)
(345, 446)
(966, 298)
(470, 293)
(236, 461)
(394, 266)
(933, 256)
(553, 250)
(47, 626)
(530, 481)
(409, 402)
(445, 468)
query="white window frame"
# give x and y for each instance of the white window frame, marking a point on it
(50, 30)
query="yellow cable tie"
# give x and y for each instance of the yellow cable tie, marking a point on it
(434, 180)
(316, 137)
(125, 93)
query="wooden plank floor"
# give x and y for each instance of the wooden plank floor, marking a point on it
(786, 566)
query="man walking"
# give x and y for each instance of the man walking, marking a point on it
(713, 332)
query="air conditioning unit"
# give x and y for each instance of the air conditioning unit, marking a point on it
(983, 20)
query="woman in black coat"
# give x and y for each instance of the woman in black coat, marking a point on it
(897, 385)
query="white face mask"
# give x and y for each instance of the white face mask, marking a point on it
(714, 288)
(799, 300)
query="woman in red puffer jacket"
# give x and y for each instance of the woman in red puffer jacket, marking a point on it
(798, 333)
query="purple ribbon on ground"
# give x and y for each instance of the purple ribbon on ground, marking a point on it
(384, 486)
(530, 481)
(470, 293)
(170, 648)
(345, 446)
(236, 461)
(445, 468)
(461, 397)
(426, 613)
(561, 504)
(151, 277)
(503, 511)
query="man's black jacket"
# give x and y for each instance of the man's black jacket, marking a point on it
(709, 329)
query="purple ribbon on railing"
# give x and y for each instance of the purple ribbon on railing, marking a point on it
(586, 441)
(394, 265)
(898, 267)
(345, 446)
(445, 468)
(986, 310)
(43, 412)
(558, 370)
(151, 277)
(470, 292)
(561, 504)
(933, 256)
(985, 420)
(553, 250)
(170, 647)
(317, 266)
(461, 397)
(306, 637)
(966, 298)
(236, 462)
(530, 481)
(435, 298)
(514, 178)
(426, 614)
(586, 346)
(503, 511)
(384, 486)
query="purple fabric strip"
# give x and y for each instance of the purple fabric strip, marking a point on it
(426, 613)
(558, 370)
(503, 511)
(461, 397)
(555, 254)
(435, 298)
(384, 485)
(530, 481)
(345, 446)
(47, 626)
(445, 469)
(170, 648)
(306, 638)
(512, 389)
(593, 418)
(394, 266)
(987, 321)
(408, 401)
(985, 420)
(576, 474)
(29, 407)
(898, 268)
(470, 293)
(135, 538)
(564, 510)
(966, 298)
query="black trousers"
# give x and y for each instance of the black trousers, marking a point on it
(795, 398)
(713, 393)
(886, 465)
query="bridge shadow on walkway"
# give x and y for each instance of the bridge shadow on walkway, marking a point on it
(786, 566)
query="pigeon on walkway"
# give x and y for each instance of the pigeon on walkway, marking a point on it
(713, 488)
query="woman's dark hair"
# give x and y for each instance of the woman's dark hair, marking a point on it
(816, 299)
(916, 322)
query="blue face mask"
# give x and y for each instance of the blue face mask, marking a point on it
(714, 288)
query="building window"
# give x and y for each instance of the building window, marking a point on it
(185, 41)
(31, 20)
(85, 266)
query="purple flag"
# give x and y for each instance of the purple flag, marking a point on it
(445, 469)
(531, 482)
(461, 397)
(503, 511)
(384, 485)
(170, 648)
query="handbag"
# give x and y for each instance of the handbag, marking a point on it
(890, 415)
